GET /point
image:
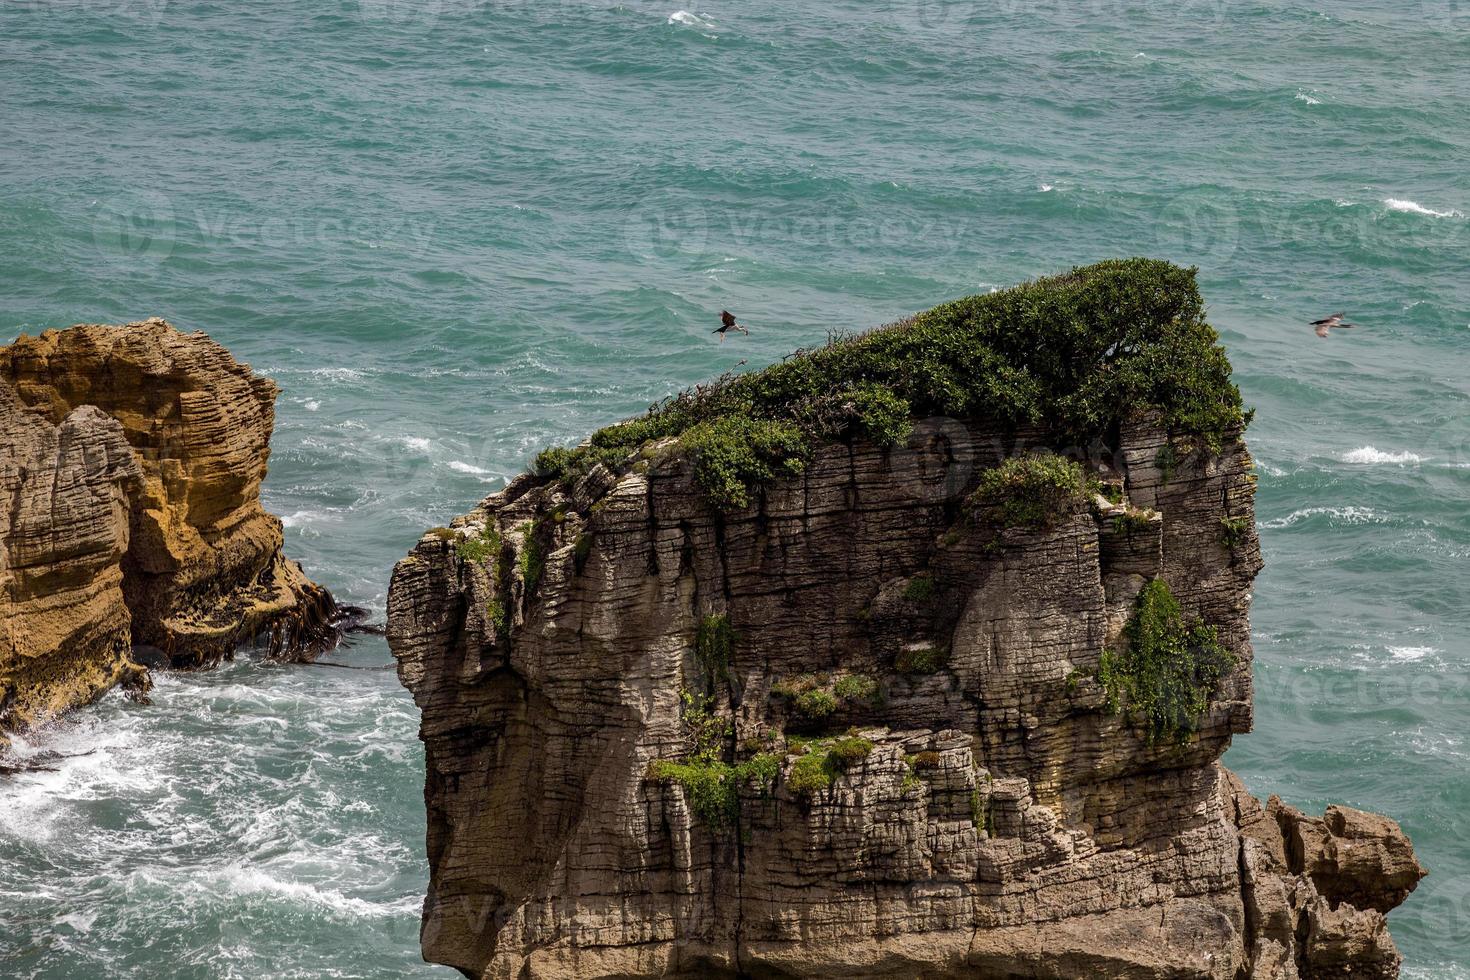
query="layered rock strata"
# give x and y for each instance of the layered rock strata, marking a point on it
(918, 765)
(131, 469)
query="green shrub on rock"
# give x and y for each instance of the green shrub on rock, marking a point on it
(734, 455)
(1073, 355)
(1031, 491)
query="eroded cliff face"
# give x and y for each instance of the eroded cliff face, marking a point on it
(133, 458)
(850, 668)
(1006, 820)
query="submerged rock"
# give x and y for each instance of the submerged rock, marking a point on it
(926, 704)
(131, 469)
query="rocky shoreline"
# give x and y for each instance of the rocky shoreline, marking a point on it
(131, 469)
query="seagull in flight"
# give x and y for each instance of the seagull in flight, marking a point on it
(1326, 325)
(727, 323)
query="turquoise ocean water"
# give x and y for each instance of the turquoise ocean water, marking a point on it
(455, 231)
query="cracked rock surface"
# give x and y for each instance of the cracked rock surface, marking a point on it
(1007, 821)
(131, 459)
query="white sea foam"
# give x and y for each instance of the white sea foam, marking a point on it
(1304, 97)
(460, 467)
(337, 373)
(1345, 515)
(1045, 187)
(417, 443)
(311, 405)
(686, 19)
(1413, 207)
(253, 881)
(1411, 653)
(1369, 456)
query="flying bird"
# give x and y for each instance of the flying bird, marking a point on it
(727, 323)
(1326, 325)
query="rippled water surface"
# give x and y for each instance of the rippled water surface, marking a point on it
(455, 231)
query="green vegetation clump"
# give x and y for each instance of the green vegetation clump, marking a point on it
(814, 705)
(496, 615)
(1168, 669)
(1131, 522)
(481, 548)
(920, 588)
(1233, 530)
(823, 761)
(921, 660)
(925, 760)
(1032, 490)
(815, 697)
(1072, 355)
(711, 784)
(1167, 459)
(533, 553)
(443, 533)
(856, 687)
(714, 642)
(868, 410)
(732, 456)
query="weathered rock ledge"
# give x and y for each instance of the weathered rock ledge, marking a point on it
(131, 459)
(917, 765)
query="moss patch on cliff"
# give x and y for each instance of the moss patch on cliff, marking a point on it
(1168, 669)
(1071, 355)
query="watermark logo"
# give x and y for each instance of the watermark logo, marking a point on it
(1197, 228)
(135, 228)
(666, 225)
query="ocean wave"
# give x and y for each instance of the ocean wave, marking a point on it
(1413, 207)
(1367, 455)
(1344, 515)
(252, 881)
(417, 443)
(1304, 97)
(462, 467)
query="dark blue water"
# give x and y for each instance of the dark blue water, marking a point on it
(457, 231)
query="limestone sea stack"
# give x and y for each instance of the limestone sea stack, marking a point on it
(131, 459)
(912, 655)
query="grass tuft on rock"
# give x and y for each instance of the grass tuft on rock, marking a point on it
(1072, 355)
(1168, 668)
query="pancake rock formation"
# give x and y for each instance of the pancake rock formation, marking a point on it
(914, 655)
(131, 470)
